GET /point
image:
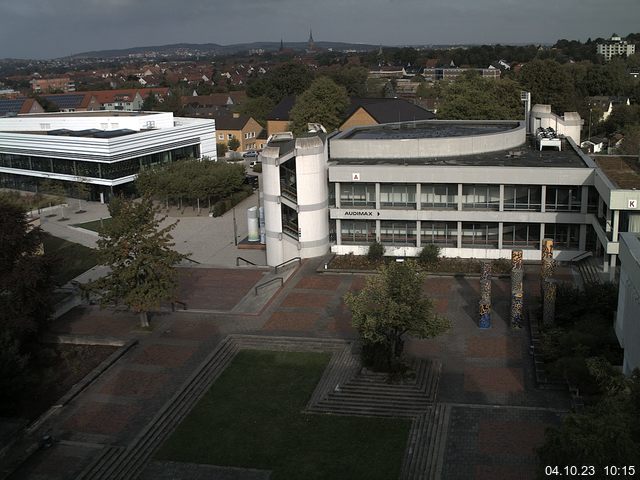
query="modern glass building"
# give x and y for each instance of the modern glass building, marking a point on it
(102, 149)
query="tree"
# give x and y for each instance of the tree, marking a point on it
(390, 306)
(324, 102)
(25, 296)
(233, 144)
(258, 108)
(607, 433)
(472, 97)
(550, 84)
(82, 192)
(141, 258)
(353, 78)
(150, 102)
(285, 80)
(221, 149)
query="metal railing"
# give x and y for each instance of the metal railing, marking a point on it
(244, 260)
(268, 282)
(581, 256)
(284, 264)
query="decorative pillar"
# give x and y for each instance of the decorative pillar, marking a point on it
(517, 288)
(549, 303)
(549, 288)
(485, 296)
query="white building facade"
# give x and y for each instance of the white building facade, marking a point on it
(103, 149)
(627, 323)
(476, 189)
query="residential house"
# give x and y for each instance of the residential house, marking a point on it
(15, 106)
(605, 105)
(245, 129)
(375, 111)
(44, 85)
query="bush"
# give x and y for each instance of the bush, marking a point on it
(257, 168)
(219, 208)
(429, 255)
(376, 252)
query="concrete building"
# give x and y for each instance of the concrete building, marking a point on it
(477, 189)
(627, 324)
(104, 149)
(615, 46)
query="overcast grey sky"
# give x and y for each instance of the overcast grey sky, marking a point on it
(54, 28)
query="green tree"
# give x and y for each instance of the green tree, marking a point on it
(353, 78)
(140, 256)
(550, 84)
(390, 306)
(607, 433)
(324, 102)
(150, 103)
(233, 144)
(285, 80)
(25, 296)
(221, 149)
(258, 108)
(472, 97)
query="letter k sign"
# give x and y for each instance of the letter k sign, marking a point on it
(632, 203)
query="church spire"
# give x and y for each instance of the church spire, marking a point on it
(311, 47)
(281, 44)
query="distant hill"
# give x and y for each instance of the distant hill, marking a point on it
(215, 49)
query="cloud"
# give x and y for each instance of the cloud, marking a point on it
(45, 28)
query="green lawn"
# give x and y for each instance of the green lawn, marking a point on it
(70, 259)
(252, 417)
(94, 225)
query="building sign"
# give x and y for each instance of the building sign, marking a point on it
(355, 177)
(632, 203)
(361, 213)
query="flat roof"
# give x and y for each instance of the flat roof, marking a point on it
(429, 129)
(91, 113)
(525, 155)
(624, 172)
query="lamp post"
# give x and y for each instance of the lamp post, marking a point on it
(590, 110)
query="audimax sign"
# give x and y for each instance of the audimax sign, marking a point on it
(361, 213)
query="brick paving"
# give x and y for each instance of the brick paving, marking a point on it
(501, 442)
(101, 417)
(215, 288)
(164, 355)
(497, 414)
(128, 382)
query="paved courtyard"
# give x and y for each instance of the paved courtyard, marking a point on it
(497, 415)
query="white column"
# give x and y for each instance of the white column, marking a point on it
(459, 234)
(418, 235)
(501, 204)
(418, 195)
(612, 269)
(582, 238)
(584, 207)
(616, 225)
(378, 200)
(500, 230)
(338, 231)
(541, 236)
(543, 199)
(459, 198)
(337, 193)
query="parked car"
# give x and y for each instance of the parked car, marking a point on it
(250, 154)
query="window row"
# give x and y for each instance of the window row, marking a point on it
(445, 234)
(109, 171)
(474, 197)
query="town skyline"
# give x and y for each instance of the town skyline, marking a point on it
(35, 29)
